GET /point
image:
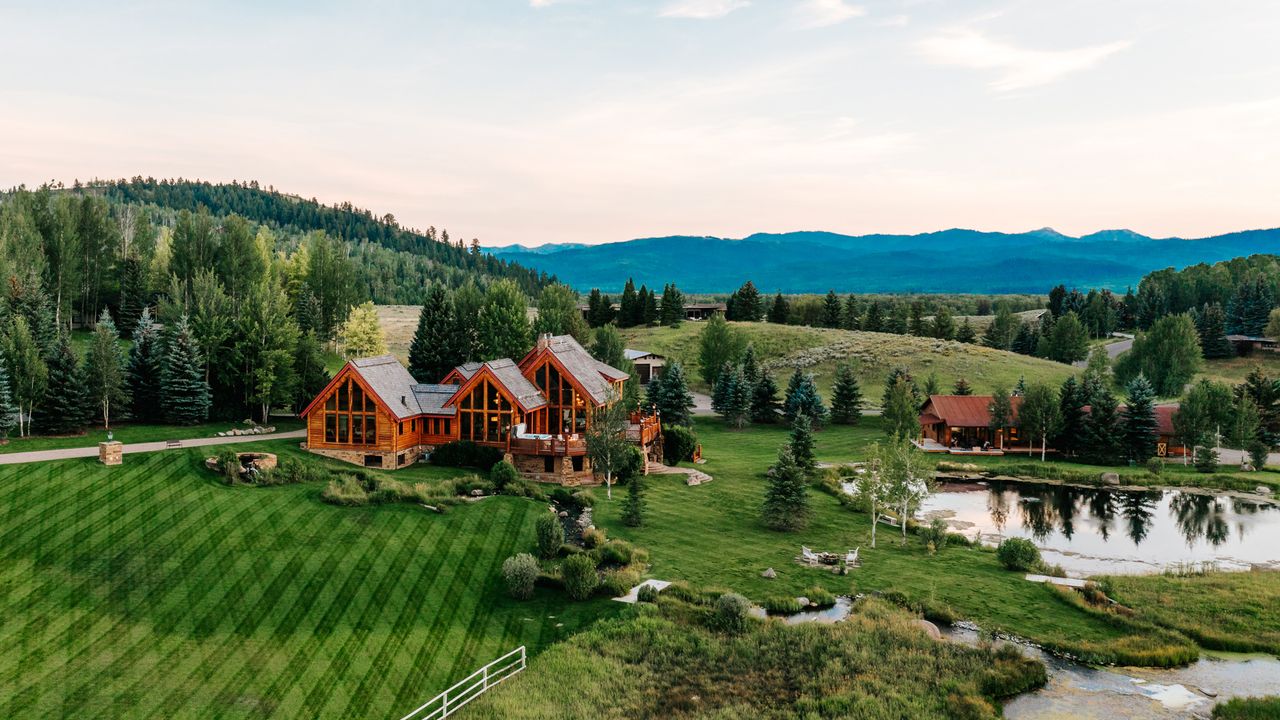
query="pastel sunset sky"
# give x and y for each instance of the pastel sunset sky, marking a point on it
(537, 121)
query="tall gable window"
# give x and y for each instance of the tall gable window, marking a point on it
(350, 417)
(485, 414)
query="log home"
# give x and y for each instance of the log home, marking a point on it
(537, 411)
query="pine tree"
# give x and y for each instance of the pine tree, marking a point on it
(802, 446)
(1250, 306)
(831, 310)
(780, 310)
(629, 309)
(146, 359)
(750, 367)
(746, 304)
(650, 315)
(1104, 435)
(434, 352)
(874, 319)
(8, 409)
(931, 385)
(1265, 394)
(962, 388)
(904, 374)
(718, 344)
(966, 333)
(63, 409)
(737, 410)
(1097, 373)
(1025, 341)
(133, 293)
(633, 507)
(901, 412)
(599, 310)
(723, 388)
(1001, 411)
(850, 318)
(765, 405)
(308, 366)
(943, 326)
(671, 313)
(27, 369)
(1139, 420)
(916, 324)
(1212, 328)
(786, 500)
(1002, 330)
(104, 371)
(669, 395)
(803, 399)
(1071, 403)
(846, 397)
(184, 393)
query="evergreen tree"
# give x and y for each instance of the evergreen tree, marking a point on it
(558, 314)
(28, 372)
(962, 388)
(780, 310)
(1068, 340)
(850, 317)
(801, 445)
(750, 367)
(1139, 420)
(671, 313)
(669, 395)
(1212, 328)
(1273, 325)
(719, 344)
(468, 304)
(1245, 426)
(831, 310)
(746, 303)
(1168, 355)
(1071, 403)
(1001, 410)
(63, 410)
(8, 409)
(901, 412)
(308, 367)
(1025, 340)
(944, 326)
(916, 325)
(1104, 434)
(1020, 388)
(904, 374)
(1265, 394)
(1001, 331)
(765, 404)
(803, 399)
(650, 315)
(846, 397)
(634, 506)
(737, 408)
(434, 350)
(965, 333)
(786, 500)
(1250, 306)
(104, 371)
(1097, 373)
(599, 309)
(874, 319)
(629, 309)
(932, 386)
(504, 322)
(723, 388)
(184, 396)
(133, 293)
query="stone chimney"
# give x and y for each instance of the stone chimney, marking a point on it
(544, 341)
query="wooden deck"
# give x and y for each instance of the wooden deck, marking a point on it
(932, 446)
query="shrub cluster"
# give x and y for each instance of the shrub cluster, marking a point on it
(521, 574)
(782, 605)
(550, 534)
(578, 573)
(648, 594)
(1018, 554)
(364, 488)
(678, 444)
(731, 613)
(465, 453)
(820, 596)
(503, 474)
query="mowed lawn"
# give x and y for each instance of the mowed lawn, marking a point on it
(151, 590)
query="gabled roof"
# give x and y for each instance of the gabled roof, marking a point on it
(507, 375)
(390, 382)
(432, 398)
(1164, 416)
(590, 375)
(965, 410)
(637, 354)
(467, 369)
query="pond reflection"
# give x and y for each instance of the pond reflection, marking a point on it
(1089, 530)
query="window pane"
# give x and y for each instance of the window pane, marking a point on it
(332, 402)
(344, 397)
(330, 428)
(344, 430)
(371, 429)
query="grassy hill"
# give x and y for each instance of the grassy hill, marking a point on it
(783, 347)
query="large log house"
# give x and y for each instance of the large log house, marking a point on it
(374, 413)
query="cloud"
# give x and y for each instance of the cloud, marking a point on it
(540, 3)
(824, 13)
(1020, 67)
(702, 9)
(895, 21)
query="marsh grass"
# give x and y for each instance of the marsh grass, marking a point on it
(1233, 611)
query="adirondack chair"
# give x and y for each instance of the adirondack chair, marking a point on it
(851, 558)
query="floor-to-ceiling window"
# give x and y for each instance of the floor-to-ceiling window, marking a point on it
(485, 414)
(350, 417)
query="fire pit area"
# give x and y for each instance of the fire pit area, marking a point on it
(250, 463)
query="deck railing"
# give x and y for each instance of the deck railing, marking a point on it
(548, 446)
(470, 687)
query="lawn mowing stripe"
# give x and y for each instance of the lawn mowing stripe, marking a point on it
(346, 660)
(199, 667)
(286, 686)
(324, 631)
(55, 581)
(231, 586)
(391, 571)
(426, 661)
(380, 664)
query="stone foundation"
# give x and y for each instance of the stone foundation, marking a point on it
(532, 467)
(387, 460)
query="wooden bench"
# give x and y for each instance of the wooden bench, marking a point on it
(171, 444)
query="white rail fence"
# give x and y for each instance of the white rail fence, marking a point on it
(470, 687)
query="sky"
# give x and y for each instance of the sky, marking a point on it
(536, 121)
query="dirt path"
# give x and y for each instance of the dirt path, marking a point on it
(80, 452)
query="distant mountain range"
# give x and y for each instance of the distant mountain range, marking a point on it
(957, 261)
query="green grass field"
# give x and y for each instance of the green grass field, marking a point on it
(151, 590)
(874, 354)
(131, 433)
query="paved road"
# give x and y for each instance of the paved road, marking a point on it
(1113, 351)
(68, 453)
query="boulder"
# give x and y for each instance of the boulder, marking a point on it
(769, 574)
(1110, 478)
(804, 601)
(1262, 490)
(477, 493)
(564, 514)
(1246, 467)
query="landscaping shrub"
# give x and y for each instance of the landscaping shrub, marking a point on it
(1206, 459)
(525, 488)
(572, 502)
(579, 575)
(678, 444)
(683, 592)
(647, 594)
(616, 552)
(935, 534)
(820, 596)
(521, 573)
(731, 613)
(229, 466)
(632, 465)
(584, 499)
(1018, 554)
(550, 534)
(1258, 454)
(1155, 466)
(782, 605)
(616, 583)
(592, 538)
(567, 549)
(464, 453)
(503, 474)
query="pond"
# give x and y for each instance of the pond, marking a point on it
(1092, 531)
